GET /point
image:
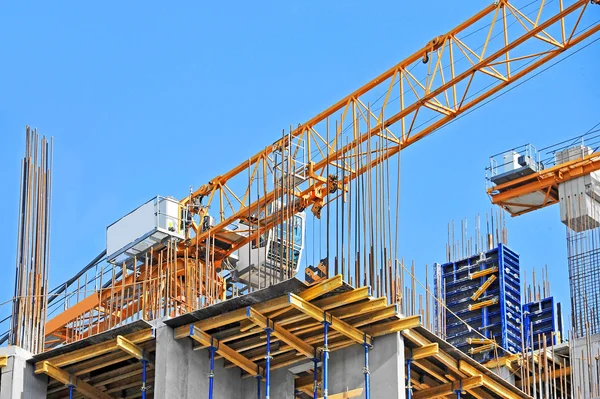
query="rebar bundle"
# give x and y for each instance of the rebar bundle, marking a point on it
(33, 254)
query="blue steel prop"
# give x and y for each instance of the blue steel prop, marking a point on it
(316, 381)
(408, 383)
(211, 375)
(144, 376)
(366, 371)
(268, 357)
(326, 325)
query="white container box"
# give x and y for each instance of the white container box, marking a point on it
(144, 228)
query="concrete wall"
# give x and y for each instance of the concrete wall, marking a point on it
(386, 364)
(18, 379)
(182, 373)
(580, 371)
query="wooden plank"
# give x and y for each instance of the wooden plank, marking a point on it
(442, 356)
(346, 395)
(230, 317)
(483, 304)
(393, 326)
(129, 347)
(308, 294)
(483, 287)
(450, 388)
(233, 356)
(65, 378)
(337, 324)
(260, 320)
(488, 383)
(482, 273)
(3, 361)
(97, 350)
(425, 351)
(74, 311)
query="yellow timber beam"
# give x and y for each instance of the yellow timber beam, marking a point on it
(97, 350)
(129, 347)
(450, 388)
(490, 384)
(271, 305)
(483, 304)
(3, 361)
(355, 393)
(315, 291)
(312, 292)
(65, 378)
(483, 287)
(337, 324)
(482, 273)
(425, 351)
(281, 333)
(482, 348)
(394, 326)
(233, 356)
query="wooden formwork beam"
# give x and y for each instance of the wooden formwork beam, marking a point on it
(98, 349)
(271, 305)
(450, 388)
(425, 351)
(337, 324)
(488, 383)
(230, 354)
(393, 326)
(280, 332)
(129, 347)
(355, 393)
(63, 377)
(312, 292)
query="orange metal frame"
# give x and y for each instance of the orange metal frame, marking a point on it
(546, 181)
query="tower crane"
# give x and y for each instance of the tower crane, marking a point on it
(244, 228)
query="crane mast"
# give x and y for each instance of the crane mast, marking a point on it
(316, 162)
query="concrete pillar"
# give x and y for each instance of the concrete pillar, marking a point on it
(18, 379)
(386, 364)
(504, 373)
(182, 373)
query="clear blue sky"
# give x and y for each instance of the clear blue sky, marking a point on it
(147, 98)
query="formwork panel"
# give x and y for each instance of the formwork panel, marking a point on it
(483, 301)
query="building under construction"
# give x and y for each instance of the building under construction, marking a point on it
(282, 277)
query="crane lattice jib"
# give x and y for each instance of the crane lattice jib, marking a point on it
(450, 75)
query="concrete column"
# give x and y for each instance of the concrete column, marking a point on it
(18, 379)
(386, 364)
(504, 373)
(182, 373)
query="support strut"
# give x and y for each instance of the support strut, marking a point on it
(211, 374)
(366, 371)
(408, 383)
(258, 386)
(71, 391)
(459, 390)
(144, 375)
(316, 377)
(326, 325)
(268, 330)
